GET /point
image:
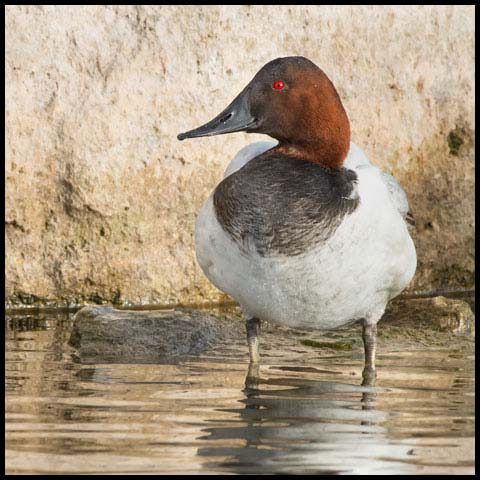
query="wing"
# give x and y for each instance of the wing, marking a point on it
(357, 159)
(398, 196)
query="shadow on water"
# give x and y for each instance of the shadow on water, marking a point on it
(198, 414)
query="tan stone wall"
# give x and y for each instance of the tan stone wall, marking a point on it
(101, 197)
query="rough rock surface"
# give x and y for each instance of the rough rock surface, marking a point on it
(106, 334)
(101, 198)
(443, 314)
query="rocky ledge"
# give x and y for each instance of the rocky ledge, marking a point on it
(104, 333)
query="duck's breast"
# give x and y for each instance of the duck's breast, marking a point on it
(338, 272)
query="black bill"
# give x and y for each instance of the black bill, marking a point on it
(235, 118)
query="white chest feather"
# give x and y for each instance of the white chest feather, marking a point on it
(368, 260)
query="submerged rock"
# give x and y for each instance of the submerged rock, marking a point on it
(453, 315)
(106, 334)
(438, 313)
(347, 345)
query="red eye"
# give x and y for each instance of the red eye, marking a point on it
(278, 85)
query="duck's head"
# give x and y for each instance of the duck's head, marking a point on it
(292, 100)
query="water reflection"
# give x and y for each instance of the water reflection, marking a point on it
(297, 425)
(201, 415)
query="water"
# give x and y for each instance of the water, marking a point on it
(307, 414)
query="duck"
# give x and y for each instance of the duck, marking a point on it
(303, 231)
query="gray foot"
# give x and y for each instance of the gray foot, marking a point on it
(369, 335)
(253, 334)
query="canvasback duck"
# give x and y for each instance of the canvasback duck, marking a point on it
(303, 232)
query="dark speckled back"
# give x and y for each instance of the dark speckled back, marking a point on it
(284, 205)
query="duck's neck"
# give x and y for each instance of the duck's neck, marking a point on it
(327, 154)
(322, 134)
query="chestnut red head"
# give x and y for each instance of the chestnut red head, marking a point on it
(292, 100)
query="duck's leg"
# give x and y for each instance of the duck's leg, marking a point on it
(369, 335)
(253, 333)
